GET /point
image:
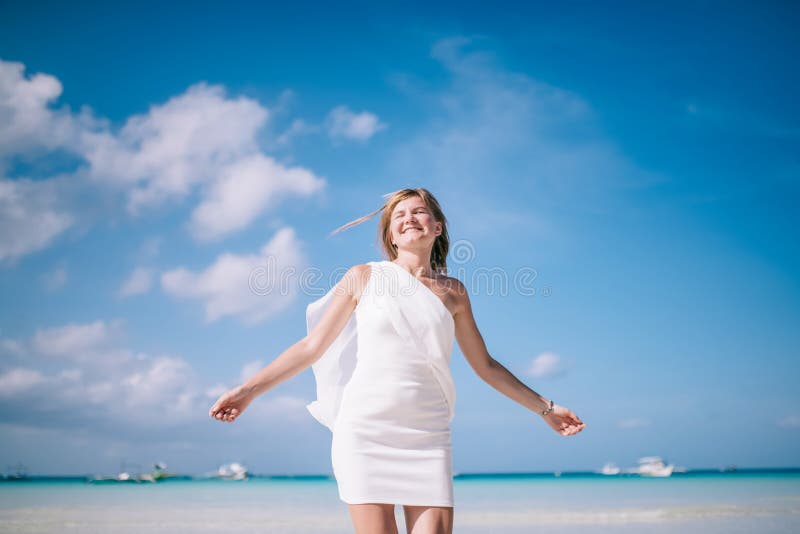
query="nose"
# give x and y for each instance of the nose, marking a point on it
(410, 221)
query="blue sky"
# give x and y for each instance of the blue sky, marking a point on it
(642, 159)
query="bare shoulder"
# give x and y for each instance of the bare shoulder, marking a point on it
(454, 293)
(355, 280)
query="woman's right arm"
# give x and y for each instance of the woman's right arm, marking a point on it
(302, 354)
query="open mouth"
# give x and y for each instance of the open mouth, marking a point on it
(409, 229)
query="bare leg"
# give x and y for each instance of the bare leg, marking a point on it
(373, 518)
(428, 519)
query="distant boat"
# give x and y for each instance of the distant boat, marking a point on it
(16, 472)
(610, 468)
(160, 472)
(653, 466)
(125, 475)
(232, 471)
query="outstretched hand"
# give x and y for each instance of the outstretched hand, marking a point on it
(230, 405)
(564, 421)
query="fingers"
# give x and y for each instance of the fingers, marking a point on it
(576, 422)
(574, 418)
(575, 429)
(227, 415)
(216, 410)
(570, 428)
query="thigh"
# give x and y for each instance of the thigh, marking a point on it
(373, 517)
(428, 519)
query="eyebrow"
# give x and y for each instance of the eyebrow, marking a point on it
(401, 210)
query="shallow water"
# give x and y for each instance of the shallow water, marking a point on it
(686, 502)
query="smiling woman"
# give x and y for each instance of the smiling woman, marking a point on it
(379, 344)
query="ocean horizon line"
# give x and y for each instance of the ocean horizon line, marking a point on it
(458, 476)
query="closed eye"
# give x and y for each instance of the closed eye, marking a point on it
(418, 210)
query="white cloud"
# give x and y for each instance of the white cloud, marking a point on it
(137, 283)
(30, 216)
(546, 364)
(17, 380)
(101, 391)
(634, 422)
(226, 287)
(34, 212)
(21, 380)
(203, 140)
(245, 189)
(141, 393)
(201, 144)
(343, 123)
(27, 122)
(99, 380)
(177, 145)
(150, 386)
(76, 341)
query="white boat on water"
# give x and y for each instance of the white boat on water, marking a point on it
(610, 468)
(232, 471)
(653, 466)
(126, 475)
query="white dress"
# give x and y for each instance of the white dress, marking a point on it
(384, 389)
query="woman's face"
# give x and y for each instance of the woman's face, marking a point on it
(413, 224)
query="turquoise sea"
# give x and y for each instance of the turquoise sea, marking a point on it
(759, 501)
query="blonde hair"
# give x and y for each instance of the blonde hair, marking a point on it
(440, 246)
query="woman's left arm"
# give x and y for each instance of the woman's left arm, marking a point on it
(469, 338)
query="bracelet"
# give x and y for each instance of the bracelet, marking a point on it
(550, 409)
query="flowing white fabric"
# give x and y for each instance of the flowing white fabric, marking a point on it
(385, 391)
(333, 370)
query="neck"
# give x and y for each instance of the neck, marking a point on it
(417, 263)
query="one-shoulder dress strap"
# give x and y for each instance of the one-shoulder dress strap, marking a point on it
(366, 298)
